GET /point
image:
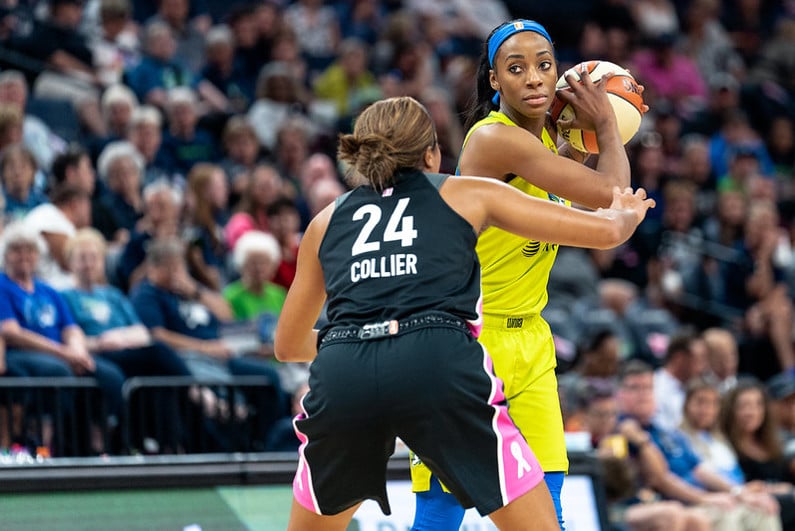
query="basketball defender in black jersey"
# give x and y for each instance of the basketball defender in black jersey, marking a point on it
(395, 259)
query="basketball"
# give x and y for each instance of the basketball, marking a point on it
(624, 95)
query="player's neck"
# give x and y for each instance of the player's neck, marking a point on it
(534, 124)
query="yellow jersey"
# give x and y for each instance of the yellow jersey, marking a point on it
(514, 270)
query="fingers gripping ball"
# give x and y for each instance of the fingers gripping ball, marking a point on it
(622, 92)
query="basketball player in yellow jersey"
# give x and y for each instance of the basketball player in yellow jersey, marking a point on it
(511, 138)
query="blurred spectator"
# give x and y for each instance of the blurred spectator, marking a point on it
(18, 172)
(773, 75)
(265, 186)
(685, 359)
(736, 133)
(206, 215)
(187, 317)
(743, 165)
(723, 102)
(694, 167)
(722, 357)
(189, 38)
(755, 285)
(596, 363)
(701, 426)
(411, 70)
(37, 135)
(285, 222)
(56, 222)
(362, 20)
(673, 249)
(113, 329)
(669, 75)
(707, 42)
(10, 125)
(120, 167)
(649, 171)
(780, 143)
(113, 41)
(37, 326)
(781, 389)
(224, 72)
(56, 42)
(159, 71)
(256, 258)
(748, 22)
(293, 147)
(73, 167)
(322, 193)
(628, 501)
(449, 132)
(118, 105)
(146, 135)
(681, 475)
(249, 52)
(243, 153)
(185, 143)
(701, 411)
(747, 421)
(345, 79)
(162, 212)
(655, 17)
(279, 96)
(726, 225)
(317, 28)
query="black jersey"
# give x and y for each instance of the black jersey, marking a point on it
(392, 254)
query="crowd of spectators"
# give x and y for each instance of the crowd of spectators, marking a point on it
(195, 139)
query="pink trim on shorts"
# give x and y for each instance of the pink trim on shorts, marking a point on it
(303, 491)
(476, 326)
(520, 471)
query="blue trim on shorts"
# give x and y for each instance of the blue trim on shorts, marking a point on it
(554, 481)
(437, 510)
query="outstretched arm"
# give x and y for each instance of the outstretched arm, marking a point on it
(486, 202)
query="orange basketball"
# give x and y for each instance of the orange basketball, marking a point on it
(623, 93)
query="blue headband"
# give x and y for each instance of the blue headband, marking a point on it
(507, 30)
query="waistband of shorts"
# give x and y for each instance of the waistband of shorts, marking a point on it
(394, 327)
(509, 322)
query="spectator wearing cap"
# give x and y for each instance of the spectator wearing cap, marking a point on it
(781, 389)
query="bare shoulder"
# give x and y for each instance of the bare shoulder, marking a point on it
(492, 150)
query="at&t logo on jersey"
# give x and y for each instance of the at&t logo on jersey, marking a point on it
(533, 247)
